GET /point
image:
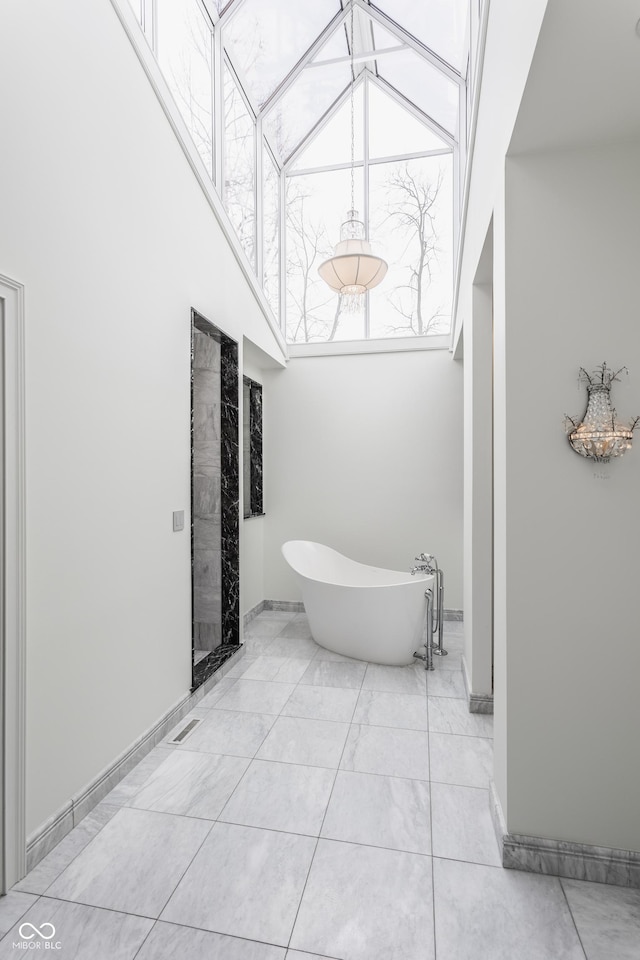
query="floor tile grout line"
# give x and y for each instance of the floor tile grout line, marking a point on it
(566, 900)
(82, 850)
(83, 903)
(315, 766)
(148, 934)
(315, 849)
(318, 836)
(360, 723)
(251, 760)
(184, 872)
(38, 896)
(433, 871)
(255, 757)
(154, 921)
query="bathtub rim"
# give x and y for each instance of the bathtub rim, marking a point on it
(409, 578)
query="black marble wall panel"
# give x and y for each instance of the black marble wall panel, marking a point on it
(255, 428)
(246, 446)
(230, 490)
(215, 492)
(252, 437)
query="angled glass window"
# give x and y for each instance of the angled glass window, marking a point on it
(185, 55)
(438, 24)
(265, 40)
(336, 45)
(424, 85)
(136, 5)
(239, 165)
(382, 39)
(271, 231)
(332, 145)
(305, 103)
(409, 134)
(411, 203)
(316, 205)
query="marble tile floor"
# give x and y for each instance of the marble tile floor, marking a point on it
(323, 809)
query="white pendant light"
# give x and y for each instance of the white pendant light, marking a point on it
(354, 268)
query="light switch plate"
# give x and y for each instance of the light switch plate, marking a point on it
(178, 520)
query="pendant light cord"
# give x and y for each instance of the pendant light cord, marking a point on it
(353, 135)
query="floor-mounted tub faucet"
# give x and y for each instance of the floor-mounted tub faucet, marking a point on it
(428, 564)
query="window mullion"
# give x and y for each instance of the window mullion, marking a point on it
(283, 250)
(259, 202)
(149, 24)
(218, 110)
(365, 154)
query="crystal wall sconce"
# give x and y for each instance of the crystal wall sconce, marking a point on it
(600, 435)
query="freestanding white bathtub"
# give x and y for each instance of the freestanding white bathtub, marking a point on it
(359, 611)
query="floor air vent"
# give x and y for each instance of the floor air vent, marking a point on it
(184, 733)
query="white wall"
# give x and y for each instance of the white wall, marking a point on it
(364, 453)
(478, 486)
(567, 761)
(566, 244)
(106, 226)
(512, 32)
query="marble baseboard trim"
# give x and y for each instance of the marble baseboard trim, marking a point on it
(286, 606)
(253, 612)
(452, 614)
(563, 858)
(477, 702)
(49, 834)
(480, 704)
(297, 606)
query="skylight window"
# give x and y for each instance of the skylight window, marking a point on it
(271, 238)
(266, 38)
(410, 135)
(332, 145)
(305, 103)
(271, 118)
(184, 51)
(411, 204)
(438, 24)
(315, 208)
(423, 85)
(239, 168)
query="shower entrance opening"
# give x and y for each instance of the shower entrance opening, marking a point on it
(215, 501)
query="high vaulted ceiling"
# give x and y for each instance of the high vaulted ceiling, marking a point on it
(294, 66)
